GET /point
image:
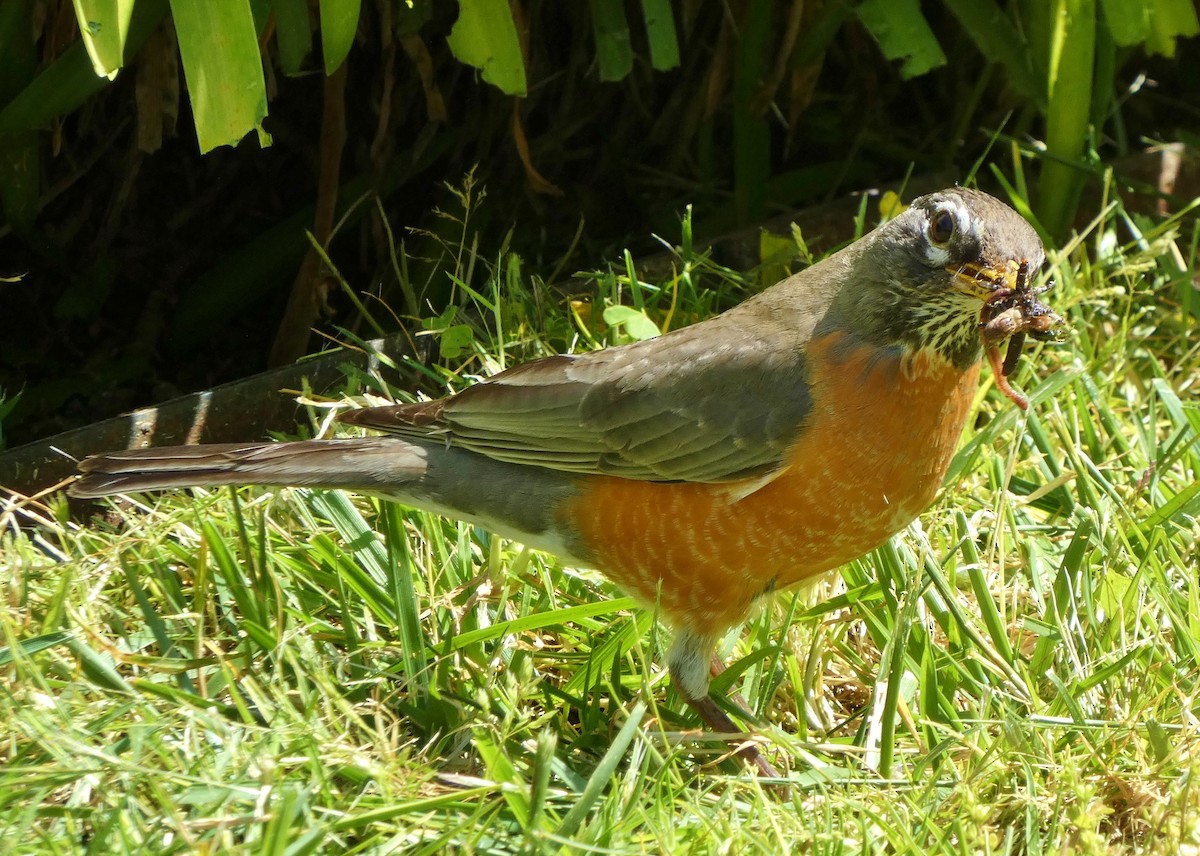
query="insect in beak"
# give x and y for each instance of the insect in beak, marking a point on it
(1012, 313)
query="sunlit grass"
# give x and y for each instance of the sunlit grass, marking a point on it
(298, 671)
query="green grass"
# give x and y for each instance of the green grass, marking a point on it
(295, 671)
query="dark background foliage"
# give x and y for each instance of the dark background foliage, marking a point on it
(147, 274)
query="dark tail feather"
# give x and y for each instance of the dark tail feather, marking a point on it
(367, 463)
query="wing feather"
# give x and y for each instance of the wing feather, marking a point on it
(716, 402)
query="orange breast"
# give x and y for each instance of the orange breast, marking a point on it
(869, 459)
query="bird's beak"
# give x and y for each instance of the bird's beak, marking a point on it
(982, 281)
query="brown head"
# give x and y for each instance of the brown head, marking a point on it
(921, 281)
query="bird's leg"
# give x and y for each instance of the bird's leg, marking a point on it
(689, 662)
(715, 667)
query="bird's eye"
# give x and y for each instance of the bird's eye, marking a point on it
(941, 228)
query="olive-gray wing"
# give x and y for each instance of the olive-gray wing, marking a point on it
(709, 403)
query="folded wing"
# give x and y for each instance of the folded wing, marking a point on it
(710, 403)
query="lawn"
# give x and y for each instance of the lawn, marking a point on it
(295, 671)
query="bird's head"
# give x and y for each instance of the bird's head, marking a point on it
(925, 276)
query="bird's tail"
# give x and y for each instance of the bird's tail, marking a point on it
(367, 464)
(513, 500)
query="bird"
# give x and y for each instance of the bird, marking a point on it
(709, 467)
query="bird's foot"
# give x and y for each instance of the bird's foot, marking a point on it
(718, 720)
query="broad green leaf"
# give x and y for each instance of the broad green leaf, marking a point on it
(70, 79)
(339, 23)
(293, 34)
(614, 51)
(903, 34)
(1128, 20)
(104, 25)
(660, 33)
(455, 341)
(1069, 84)
(635, 324)
(486, 37)
(223, 69)
(261, 11)
(1170, 20)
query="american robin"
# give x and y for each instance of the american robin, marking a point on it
(708, 467)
